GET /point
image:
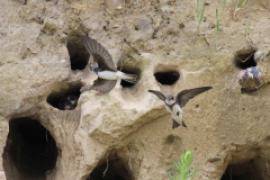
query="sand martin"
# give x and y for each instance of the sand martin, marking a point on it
(175, 104)
(250, 79)
(68, 102)
(104, 67)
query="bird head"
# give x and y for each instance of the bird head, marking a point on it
(72, 99)
(70, 102)
(170, 100)
(94, 67)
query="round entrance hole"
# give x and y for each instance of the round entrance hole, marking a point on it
(242, 171)
(244, 58)
(114, 168)
(167, 77)
(30, 148)
(67, 98)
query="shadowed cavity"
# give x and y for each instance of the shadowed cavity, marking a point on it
(30, 148)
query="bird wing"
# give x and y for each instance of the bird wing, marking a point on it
(100, 54)
(158, 94)
(102, 85)
(184, 96)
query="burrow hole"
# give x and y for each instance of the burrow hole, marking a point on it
(66, 98)
(246, 170)
(112, 168)
(167, 77)
(78, 55)
(244, 58)
(30, 148)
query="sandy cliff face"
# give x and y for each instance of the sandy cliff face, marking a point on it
(127, 133)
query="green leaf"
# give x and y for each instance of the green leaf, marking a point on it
(200, 8)
(183, 167)
(241, 3)
(218, 24)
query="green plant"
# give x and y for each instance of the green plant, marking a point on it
(219, 12)
(200, 7)
(183, 167)
(239, 5)
(218, 24)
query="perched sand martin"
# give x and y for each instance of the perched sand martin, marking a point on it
(68, 102)
(104, 67)
(250, 79)
(175, 104)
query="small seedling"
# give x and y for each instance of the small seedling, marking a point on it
(218, 24)
(239, 5)
(183, 167)
(219, 12)
(200, 7)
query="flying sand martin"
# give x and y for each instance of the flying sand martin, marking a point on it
(175, 104)
(104, 67)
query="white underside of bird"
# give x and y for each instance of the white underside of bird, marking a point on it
(118, 75)
(250, 74)
(176, 112)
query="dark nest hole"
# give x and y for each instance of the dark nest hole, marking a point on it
(78, 55)
(242, 171)
(113, 168)
(244, 58)
(132, 71)
(30, 148)
(167, 77)
(66, 99)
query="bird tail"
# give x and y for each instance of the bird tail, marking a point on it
(175, 124)
(131, 78)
